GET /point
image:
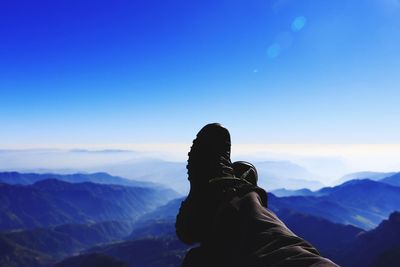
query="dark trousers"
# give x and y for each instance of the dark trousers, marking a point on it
(243, 233)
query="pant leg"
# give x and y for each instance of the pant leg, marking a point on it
(246, 234)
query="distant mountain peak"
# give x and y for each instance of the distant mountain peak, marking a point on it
(363, 182)
(392, 180)
(375, 176)
(78, 177)
(395, 217)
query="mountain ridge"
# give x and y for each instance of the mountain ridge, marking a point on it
(14, 177)
(53, 202)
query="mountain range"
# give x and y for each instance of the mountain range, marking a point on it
(362, 203)
(392, 180)
(99, 178)
(49, 222)
(378, 247)
(375, 176)
(53, 202)
(45, 246)
(143, 172)
(346, 245)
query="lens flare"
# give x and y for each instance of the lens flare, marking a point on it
(299, 23)
(274, 50)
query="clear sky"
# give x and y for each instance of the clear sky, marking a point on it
(284, 71)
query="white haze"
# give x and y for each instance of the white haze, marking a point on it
(315, 165)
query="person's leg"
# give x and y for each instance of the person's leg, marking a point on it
(228, 216)
(245, 233)
(202, 255)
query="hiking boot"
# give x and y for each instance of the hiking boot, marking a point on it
(246, 171)
(244, 181)
(209, 158)
(212, 183)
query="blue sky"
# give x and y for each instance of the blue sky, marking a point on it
(286, 71)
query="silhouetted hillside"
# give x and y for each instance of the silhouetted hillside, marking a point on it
(91, 260)
(387, 258)
(63, 240)
(147, 252)
(13, 255)
(374, 248)
(323, 234)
